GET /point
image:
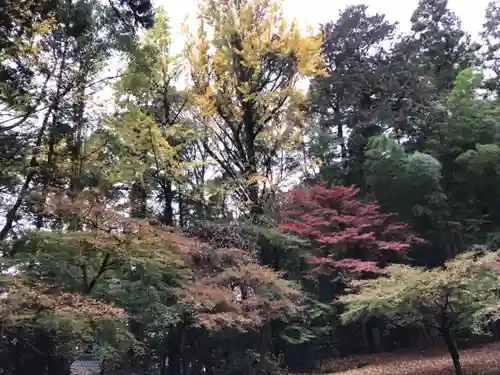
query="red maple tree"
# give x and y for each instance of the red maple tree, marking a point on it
(221, 285)
(343, 232)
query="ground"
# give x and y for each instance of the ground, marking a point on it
(484, 360)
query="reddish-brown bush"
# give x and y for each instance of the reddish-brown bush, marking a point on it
(223, 287)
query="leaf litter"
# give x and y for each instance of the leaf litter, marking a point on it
(475, 361)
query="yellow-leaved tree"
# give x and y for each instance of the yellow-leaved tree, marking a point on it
(150, 134)
(246, 65)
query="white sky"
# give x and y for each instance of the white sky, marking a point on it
(314, 12)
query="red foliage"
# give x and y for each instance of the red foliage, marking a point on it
(345, 233)
(222, 286)
(28, 303)
(230, 289)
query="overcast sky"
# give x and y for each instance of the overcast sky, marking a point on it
(314, 12)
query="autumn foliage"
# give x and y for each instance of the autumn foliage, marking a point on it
(27, 304)
(343, 232)
(230, 289)
(220, 287)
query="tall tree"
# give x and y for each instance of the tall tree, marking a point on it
(350, 97)
(152, 126)
(246, 62)
(424, 66)
(70, 58)
(490, 36)
(411, 185)
(443, 44)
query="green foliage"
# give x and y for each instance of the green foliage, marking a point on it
(471, 119)
(407, 183)
(141, 228)
(464, 291)
(483, 157)
(391, 171)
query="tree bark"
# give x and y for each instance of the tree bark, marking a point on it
(452, 349)
(175, 348)
(163, 359)
(168, 214)
(138, 200)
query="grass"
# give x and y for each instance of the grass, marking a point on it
(479, 361)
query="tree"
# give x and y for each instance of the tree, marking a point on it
(151, 133)
(490, 36)
(247, 105)
(352, 93)
(447, 190)
(410, 184)
(20, 27)
(103, 250)
(343, 232)
(467, 141)
(52, 325)
(457, 296)
(424, 65)
(338, 237)
(192, 291)
(134, 13)
(442, 42)
(71, 55)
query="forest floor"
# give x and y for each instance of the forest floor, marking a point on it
(477, 361)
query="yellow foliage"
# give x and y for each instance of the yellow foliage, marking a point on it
(233, 64)
(26, 42)
(257, 178)
(246, 63)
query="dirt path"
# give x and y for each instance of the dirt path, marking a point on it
(474, 361)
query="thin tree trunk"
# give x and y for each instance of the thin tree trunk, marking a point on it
(47, 172)
(163, 359)
(180, 198)
(365, 336)
(168, 214)
(76, 151)
(174, 349)
(138, 200)
(452, 349)
(11, 215)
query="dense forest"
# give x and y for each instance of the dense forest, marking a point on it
(267, 199)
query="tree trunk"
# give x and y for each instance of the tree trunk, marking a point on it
(163, 359)
(175, 349)
(138, 200)
(180, 198)
(168, 214)
(377, 343)
(365, 336)
(452, 349)
(208, 363)
(174, 360)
